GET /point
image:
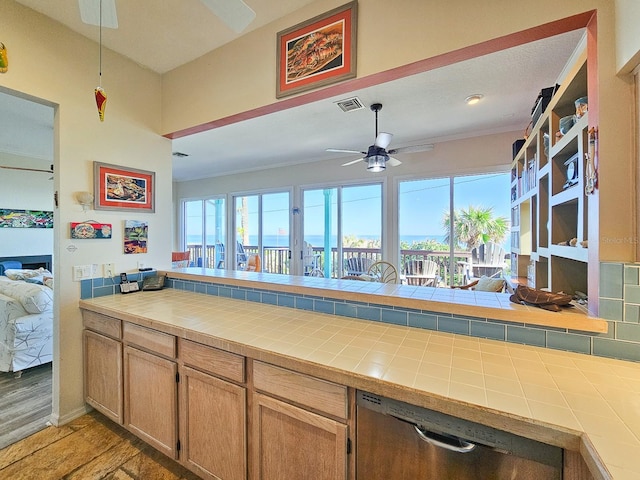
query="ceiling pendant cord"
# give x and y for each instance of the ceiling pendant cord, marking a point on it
(100, 94)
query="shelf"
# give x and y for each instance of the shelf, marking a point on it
(578, 254)
(569, 195)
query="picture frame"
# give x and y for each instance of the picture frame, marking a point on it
(123, 188)
(317, 52)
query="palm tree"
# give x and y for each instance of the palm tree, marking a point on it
(476, 225)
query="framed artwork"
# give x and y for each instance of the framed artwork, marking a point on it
(82, 230)
(11, 218)
(123, 188)
(135, 236)
(317, 52)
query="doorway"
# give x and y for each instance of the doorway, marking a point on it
(26, 185)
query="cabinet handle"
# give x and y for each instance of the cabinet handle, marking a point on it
(454, 444)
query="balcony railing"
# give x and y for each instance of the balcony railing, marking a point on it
(277, 259)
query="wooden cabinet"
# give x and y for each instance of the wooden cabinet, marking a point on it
(103, 374)
(213, 428)
(549, 241)
(290, 441)
(151, 388)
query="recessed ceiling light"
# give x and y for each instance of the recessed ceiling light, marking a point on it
(473, 99)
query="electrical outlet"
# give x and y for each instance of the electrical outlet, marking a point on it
(140, 265)
(108, 270)
(82, 272)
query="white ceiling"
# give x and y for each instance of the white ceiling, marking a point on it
(423, 108)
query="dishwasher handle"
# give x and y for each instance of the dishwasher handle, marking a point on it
(460, 446)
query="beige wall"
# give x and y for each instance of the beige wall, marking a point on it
(627, 35)
(50, 62)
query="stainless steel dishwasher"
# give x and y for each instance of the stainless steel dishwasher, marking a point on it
(398, 441)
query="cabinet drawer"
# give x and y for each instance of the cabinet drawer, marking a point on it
(302, 389)
(212, 360)
(109, 326)
(149, 339)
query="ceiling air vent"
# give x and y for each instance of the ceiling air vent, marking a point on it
(350, 104)
(180, 154)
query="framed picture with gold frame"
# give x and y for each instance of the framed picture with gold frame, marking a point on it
(317, 52)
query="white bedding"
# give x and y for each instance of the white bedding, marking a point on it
(26, 324)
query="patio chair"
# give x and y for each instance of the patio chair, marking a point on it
(180, 259)
(219, 255)
(241, 256)
(383, 272)
(487, 259)
(253, 263)
(311, 261)
(421, 272)
(358, 265)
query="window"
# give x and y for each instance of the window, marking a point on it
(352, 214)
(204, 228)
(480, 208)
(262, 228)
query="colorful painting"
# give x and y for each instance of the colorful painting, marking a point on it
(123, 188)
(317, 52)
(135, 236)
(10, 218)
(90, 230)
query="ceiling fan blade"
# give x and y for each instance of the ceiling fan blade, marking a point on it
(427, 147)
(340, 150)
(383, 139)
(90, 13)
(236, 14)
(352, 162)
(393, 162)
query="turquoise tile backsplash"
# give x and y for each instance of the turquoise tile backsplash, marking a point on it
(619, 303)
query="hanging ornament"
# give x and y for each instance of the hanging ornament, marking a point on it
(100, 94)
(4, 61)
(101, 101)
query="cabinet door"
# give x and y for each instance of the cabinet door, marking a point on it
(213, 426)
(296, 444)
(103, 374)
(150, 399)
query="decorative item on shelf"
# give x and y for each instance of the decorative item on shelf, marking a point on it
(569, 243)
(540, 105)
(584, 243)
(545, 141)
(582, 106)
(571, 171)
(516, 146)
(90, 229)
(591, 172)
(4, 60)
(565, 125)
(540, 298)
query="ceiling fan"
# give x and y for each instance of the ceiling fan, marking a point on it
(236, 14)
(377, 156)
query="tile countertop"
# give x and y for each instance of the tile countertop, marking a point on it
(441, 300)
(579, 402)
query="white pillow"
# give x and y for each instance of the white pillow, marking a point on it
(34, 298)
(486, 284)
(23, 274)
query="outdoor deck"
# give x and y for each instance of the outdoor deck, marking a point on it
(276, 260)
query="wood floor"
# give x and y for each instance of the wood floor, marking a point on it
(89, 448)
(25, 403)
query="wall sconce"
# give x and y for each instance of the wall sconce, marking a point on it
(85, 199)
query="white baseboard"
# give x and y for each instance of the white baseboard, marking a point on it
(58, 421)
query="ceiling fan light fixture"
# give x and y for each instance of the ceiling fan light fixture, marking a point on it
(473, 99)
(377, 163)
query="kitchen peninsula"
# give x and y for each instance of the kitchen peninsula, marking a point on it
(583, 404)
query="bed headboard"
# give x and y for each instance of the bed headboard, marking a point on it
(30, 262)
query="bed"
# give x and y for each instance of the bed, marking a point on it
(26, 312)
